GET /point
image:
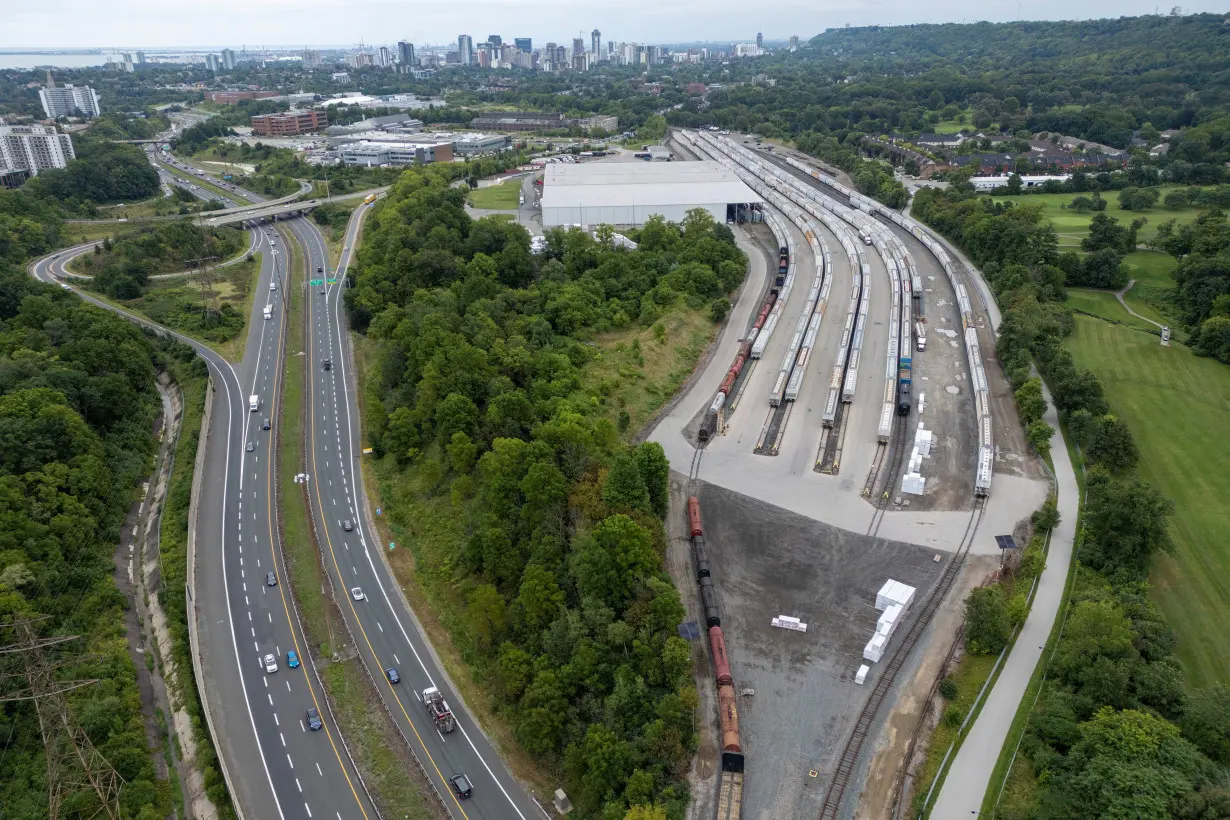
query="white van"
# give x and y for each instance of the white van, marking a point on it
(268, 311)
(273, 285)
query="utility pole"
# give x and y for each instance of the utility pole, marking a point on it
(74, 766)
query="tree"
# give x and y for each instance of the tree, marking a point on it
(624, 488)
(1105, 233)
(646, 813)
(1030, 402)
(986, 621)
(1112, 446)
(652, 464)
(1206, 722)
(1125, 525)
(487, 615)
(540, 598)
(612, 559)
(1039, 434)
(461, 453)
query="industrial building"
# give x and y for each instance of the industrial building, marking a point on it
(628, 193)
(465, 144)
(377, 154)
(69, 101)
(289, 124)
(542, 121)
(29, 149)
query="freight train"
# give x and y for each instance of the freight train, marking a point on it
(728, 711)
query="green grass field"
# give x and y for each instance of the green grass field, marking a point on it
(1176, 405)
(1104, 304)
(1073, 227)
(500, 197)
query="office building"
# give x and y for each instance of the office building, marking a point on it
(33, 148)
(595, 42)
(289, 124)
(212, 63)
(794, 42)
(525, 44)
(377, 154)
(69, 101)
(311, 58)
(465, 49)
(140, 58)
(495, 40)
(405, 54)
(228, 59)
(759, 41)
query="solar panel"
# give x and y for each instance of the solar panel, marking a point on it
(689, 631)
(1005, 542)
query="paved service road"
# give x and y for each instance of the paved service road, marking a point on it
(278, 768)
(382, 624)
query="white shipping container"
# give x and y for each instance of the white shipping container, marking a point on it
(894, 592)
(874, 650)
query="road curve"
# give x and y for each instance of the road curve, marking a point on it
(387, 633)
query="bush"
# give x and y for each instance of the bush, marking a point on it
(948, 689)
(986, 621)
(953, 716)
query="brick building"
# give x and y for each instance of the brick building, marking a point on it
(289, 124)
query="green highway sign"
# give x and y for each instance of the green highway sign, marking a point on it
(332, 281)
(316, 282)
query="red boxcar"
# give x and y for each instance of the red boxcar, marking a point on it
(694, 516)
(721, 664)
(729, 718)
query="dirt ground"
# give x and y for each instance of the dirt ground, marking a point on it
(798, 700)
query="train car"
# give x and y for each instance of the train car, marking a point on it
(728, 714)
(721, 664)
(708, 602)
(694, 522)
(982, 477)
(885, 427)
(903, 393)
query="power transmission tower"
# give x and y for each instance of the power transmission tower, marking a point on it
(74, 767)
(206, 276)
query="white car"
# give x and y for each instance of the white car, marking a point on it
(271, 663)
(356, 593)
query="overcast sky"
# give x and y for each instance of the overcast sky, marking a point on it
(216, 23)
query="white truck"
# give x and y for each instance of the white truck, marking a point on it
(254, 402)
(920, 335)
(438, 709)
(268, 311)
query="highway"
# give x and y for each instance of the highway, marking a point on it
(277, 766)
(381, 622)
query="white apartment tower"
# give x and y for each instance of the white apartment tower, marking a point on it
(69, 101)
(33, 148)
(465, 49)
(228, 59)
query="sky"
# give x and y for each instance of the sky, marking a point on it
(215, 23)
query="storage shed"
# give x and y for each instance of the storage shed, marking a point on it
(628, 193)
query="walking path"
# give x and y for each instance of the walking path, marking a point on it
(1119, 294)
(968, 778)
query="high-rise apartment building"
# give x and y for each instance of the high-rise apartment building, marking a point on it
(405, 54)
(69, 101)
(595, 42)
(525, 44)
(33, 148)
(794, 42)
(140, 58)
(228, 59)
(465, 49)
(212, 63)
(385, 57)
(759, 40)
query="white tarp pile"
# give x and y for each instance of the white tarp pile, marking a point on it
(787, 622)
(912, 481)
(892, 600)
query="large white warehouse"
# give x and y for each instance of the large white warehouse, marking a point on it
(628, 193)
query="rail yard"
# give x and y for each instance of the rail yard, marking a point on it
(843, 434)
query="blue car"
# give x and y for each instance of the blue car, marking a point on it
(292, 660)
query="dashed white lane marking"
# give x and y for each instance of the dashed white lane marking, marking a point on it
(297, 783)
(305, 805)
(270, 699)
(380, 627)
(288, 686)
(276, 722)
(288, 760)
(395, 658)
(283, 739)
(318, 771)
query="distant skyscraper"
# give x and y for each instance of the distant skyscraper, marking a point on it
(140, 58)
(68, 101)
(465, 50)
(495, 40)
(759, 40)
(211, 62)
(386, 57)
(525, 44)
(311, 58)
(794, 41)
(595, 42)
(405, 54)
(228, 59)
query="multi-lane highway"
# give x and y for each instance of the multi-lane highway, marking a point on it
(386, 633)
(278, 766)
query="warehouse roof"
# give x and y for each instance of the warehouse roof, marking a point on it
(622, 184)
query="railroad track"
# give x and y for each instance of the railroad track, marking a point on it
(769, 443)
(844, 771)
(893, 454)
(698, 453)
(828, 460)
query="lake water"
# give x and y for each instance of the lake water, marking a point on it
(29, 60)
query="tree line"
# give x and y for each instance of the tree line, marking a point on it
(121, 268)
(476, 400)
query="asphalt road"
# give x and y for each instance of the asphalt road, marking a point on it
(387, 633)
(278, 767)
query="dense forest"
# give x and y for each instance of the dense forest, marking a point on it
(476, 395)
(1114, 734)
(77, 407)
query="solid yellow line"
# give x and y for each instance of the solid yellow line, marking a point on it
(273, 552)
(324, 526)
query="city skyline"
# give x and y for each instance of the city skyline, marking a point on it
(144, 23)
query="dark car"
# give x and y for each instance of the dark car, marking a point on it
(327, 364)
(461, 785)
(347, 526)
(313, 719)
(320, 270)
(265, 424)
(271, 580)
(391, 674)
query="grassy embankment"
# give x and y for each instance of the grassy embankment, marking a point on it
(638, 371)
(501, 197)
(377, 748)
(1073, 226)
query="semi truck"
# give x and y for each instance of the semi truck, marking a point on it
(437, 709)
(254, 402)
